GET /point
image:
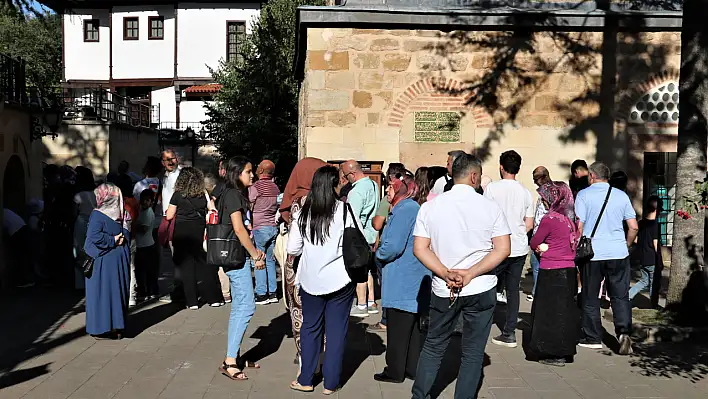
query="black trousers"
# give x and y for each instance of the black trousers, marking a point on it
(616, 273)
(190, 259)
(147, 270)
(404, 344)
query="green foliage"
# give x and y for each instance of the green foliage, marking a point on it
(35, 38)
(256, 111)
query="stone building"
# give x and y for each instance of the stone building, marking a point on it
(407, 81)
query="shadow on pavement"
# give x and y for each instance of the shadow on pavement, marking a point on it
(671, 360)
(359, 346)
(20, 376)
(271, 337)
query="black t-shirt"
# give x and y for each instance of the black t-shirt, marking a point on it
(648, 232)
(578, 183)
(189, 209)
(230, 201)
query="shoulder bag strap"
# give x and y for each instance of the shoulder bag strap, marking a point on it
(597, 222)
(346, 206)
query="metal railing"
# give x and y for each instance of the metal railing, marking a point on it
(13, 83)
(201, 133)
(102, 104)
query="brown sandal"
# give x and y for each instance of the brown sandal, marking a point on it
(295, 386)
(238, 376)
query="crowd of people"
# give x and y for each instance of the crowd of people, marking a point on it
(446, 246)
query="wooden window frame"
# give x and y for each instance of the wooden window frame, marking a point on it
(125, 28)
(98, 30)
(228, 23)
(150, 28)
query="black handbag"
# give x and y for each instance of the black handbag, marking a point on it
(223, 246)
(584, 253)
(355, 250)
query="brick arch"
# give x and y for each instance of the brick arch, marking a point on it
(436, 94)
(635, 94)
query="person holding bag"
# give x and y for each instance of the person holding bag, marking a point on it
(108, 244)
(232, 206)
(326, 289)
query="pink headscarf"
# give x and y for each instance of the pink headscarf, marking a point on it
(561, 205)
(403, 186)
(109, 201)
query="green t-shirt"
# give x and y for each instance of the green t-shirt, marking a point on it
(383, 208)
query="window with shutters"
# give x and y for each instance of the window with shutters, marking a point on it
(235, 36)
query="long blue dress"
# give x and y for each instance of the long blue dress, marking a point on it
(107, 289)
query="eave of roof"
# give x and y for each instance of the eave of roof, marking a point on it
(476, 18)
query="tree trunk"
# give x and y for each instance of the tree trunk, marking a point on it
(687, 251)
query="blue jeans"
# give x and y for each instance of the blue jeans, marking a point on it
(322, 313)
(266, 282)
(644, 282)
(534, 268)
(477, 312)
(243, 306)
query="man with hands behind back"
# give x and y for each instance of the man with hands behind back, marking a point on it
(461, 237)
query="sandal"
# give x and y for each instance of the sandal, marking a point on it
(295, 386)
(238, 376)
(328, 392)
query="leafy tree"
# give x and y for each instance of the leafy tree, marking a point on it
(256, 110)
(34, 36)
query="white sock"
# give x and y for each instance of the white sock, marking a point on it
(360, 306)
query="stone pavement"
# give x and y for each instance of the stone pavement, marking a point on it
(174, 353)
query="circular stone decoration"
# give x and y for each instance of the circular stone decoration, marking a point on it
(658, 106)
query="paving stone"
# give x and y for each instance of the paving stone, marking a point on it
(513, 393)
(558, 394)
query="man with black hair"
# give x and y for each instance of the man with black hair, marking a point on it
(446, 182)
(517, 204)
(579, 176)
(461, 248)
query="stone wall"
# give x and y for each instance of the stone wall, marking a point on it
(100, 146)
(413, 95)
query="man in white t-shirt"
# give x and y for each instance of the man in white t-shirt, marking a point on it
(445, 183)
(461, 237)
(517, 204)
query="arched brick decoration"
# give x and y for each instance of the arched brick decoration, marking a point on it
(436, 94)
(628, 102)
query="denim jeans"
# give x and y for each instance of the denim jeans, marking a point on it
(477, 312)
(266, 282)
(616, 275)
(535, 262)
(243, 306)
(511, 270)
(646, 281)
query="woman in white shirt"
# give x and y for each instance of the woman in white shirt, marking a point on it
(325, 287)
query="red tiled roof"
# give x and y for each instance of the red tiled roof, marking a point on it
(208, 88)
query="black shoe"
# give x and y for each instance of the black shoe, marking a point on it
(262, 300)
(553, 362)
(503, 340)
(383, 377)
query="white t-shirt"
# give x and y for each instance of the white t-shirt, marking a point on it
(152, 183)
(516, 203)
(321, 269)
(439, 186)
(460, 225)
(145, 219)
(11, 222)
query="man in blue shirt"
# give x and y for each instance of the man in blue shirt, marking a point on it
(611, 260)
(364, 199)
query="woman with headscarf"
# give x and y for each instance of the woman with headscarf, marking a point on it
(555, 318)
(405, 290)
(296, 191)
(107, 242)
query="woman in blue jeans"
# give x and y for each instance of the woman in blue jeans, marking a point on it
(239, 177)
(325, 287)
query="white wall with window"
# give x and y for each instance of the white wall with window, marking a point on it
(203, 35)
(193, 112)
(86, 45)
(143, 42)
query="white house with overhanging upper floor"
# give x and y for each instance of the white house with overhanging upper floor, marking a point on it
(156, 52)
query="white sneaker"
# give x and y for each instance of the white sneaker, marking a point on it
(193, 307)
(529, 298)
(132, 303)
(501, 297)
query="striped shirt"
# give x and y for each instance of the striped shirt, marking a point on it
(263, 196)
